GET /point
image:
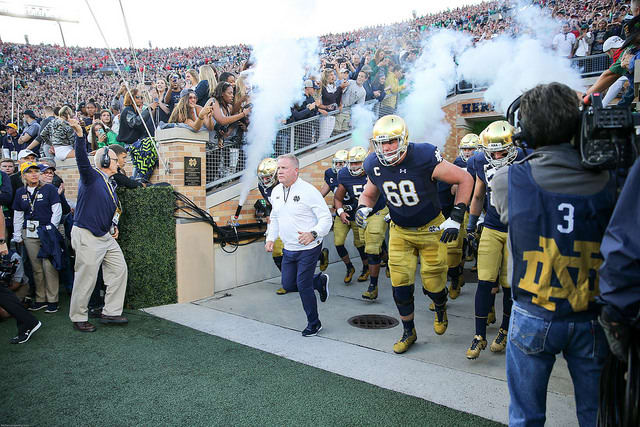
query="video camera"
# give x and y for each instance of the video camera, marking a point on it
(7, 270)
(606, 138)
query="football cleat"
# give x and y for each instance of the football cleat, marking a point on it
(281, 291)
(500, 343)
(407, 340)
(324, 259)
(350, 272)
(456, 285)
(383, 263)
(440, 321)
(364, 276)
(371, 293)
(432, 306)
(477, 345)
(491, 318)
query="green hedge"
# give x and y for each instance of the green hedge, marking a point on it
(148, 240)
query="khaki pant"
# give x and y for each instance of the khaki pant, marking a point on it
(44, 273)
(91, 253)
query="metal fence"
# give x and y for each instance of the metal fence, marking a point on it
(590, 66)
(226, 159)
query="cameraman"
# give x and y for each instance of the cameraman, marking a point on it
(557, 213)
(27, 323)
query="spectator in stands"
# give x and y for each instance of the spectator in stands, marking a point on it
(564, 41)
(158, 93)
(10, 144)
(105, 118)
(353, 94)
(393, 87)
(59, 134)
(378, 87)
(187, 111)
(330, 100)
(242, 96)
(16, 178)
(133, 118)
(172, 97)
(32, 129)
(120, 178)
(583, 42)
(228, 77)
(35, 207)
(612, 47)
(207, 85)
(599, 36)
(43, 142)
(191, 79)
(115, 116)
(101, 136)
(7, 166)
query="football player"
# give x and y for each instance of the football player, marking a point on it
(498, 151)
(406, 174)
(351, 181)
(446, 194)
(340, 228)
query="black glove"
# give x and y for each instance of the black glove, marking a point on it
(618, 333)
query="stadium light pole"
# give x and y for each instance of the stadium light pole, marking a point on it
(42, 13)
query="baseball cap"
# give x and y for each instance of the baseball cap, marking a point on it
(613, 42)
(308, 83)
(43, 167)
(13, 126)
(30, 113)
(28, 165)
(24, 153)
(367, 69)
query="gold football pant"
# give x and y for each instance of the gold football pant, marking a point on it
(406, 244)
(375, 232)
(493, 256)
(340, 231)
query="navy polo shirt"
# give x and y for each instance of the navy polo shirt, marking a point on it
(42, 199)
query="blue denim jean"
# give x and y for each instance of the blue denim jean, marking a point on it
(297, 272)
(531, 352)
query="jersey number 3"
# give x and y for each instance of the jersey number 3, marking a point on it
(402, 193)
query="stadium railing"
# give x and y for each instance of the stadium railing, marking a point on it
(227, 163)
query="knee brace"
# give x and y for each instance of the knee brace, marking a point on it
(342, 251)
(278, 262)
(439, 298)
(374, 259)
(363, 256)
(403, 297)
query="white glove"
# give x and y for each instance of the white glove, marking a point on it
(387, 218)
(17, 238)
(361, 216)
(450, 229)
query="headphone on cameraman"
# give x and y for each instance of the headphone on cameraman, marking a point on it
(105, 160)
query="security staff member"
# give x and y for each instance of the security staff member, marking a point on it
(34, 208)
(301, 218)
(93, 237)
(27, 323)
(557, 212)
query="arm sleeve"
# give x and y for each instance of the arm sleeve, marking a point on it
(273, 229)
(6, 191)
(56, 214)
(126, 182)
(322, 213)
(499, 193)
(18, 221)
(87, 176)
(132, 119)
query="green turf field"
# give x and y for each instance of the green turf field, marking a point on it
(155, 372)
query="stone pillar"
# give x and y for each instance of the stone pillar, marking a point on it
(173, 146)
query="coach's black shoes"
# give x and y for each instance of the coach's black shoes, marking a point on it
(324, 287)
(312, 330)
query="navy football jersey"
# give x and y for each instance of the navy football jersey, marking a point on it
(471, 166)
(447, 199)
(331, 178)
(555, 241)
(410, 193)
(266, 192)
(354, 186)
(485, 172)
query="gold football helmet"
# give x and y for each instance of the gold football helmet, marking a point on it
(387, 129)
(357, 155)
(468, 142)
(267, 172)
(339, 160)
(498, 138)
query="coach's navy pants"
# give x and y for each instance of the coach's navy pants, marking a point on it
(297, 272)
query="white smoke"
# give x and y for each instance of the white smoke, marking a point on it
(509, 67)
(433, 75)
(362, 120)
(277, 81)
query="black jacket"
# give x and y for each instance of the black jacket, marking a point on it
(131, 127)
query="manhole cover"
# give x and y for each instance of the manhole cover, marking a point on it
(373, 321)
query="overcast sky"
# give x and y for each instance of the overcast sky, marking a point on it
(202, 23)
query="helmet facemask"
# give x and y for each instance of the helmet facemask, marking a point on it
(510, 156)
(337, 164)
(391, 157)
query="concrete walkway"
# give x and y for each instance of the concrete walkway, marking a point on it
(435, 368)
